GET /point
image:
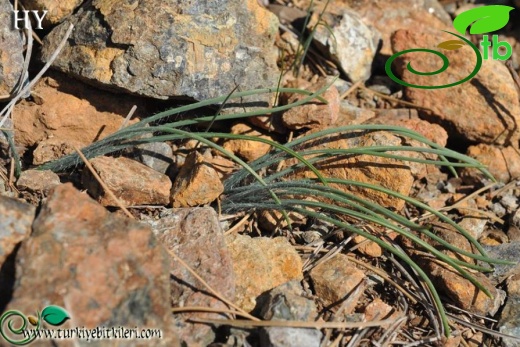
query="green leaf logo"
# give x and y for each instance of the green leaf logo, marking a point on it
(483, 19)
(33, 320)
(54, 315)
(451, 45)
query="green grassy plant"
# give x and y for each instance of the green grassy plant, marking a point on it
(305, 43)
(247, 189)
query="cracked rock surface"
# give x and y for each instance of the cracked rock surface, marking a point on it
(11, 50)
(163, 49)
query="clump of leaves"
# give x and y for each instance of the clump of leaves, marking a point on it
(248, 189)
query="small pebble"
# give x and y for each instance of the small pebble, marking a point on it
(510, 202)
(498, 209)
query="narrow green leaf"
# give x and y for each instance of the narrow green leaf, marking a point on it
(114, 142)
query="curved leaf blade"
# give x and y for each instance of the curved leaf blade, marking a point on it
(55, 315)
(483, 19)
(451, 45)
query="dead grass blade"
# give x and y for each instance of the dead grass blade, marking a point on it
(240, 323)
(102, 183)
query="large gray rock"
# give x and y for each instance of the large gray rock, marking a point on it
(509, 322)
(352, 43)
(163, 49)
(11, 50)
(287, 302)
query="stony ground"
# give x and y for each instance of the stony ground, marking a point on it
(138, 238)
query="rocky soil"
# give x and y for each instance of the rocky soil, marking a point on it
(137, 238)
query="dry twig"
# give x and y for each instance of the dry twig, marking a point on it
(103, 184)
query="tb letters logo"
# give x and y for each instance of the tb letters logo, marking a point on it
(482, 20)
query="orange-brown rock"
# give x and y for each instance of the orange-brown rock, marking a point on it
(260, 264)
(502, 162)
(337, 280)
(447, 280)
(429, 131)
(462, 292)
(484, 110)
(223, 166)
(386, 172)
(195, 236)
(271, 220)
(37, 181)
(406, 119)
(314, 114)
(367, 247)
(351, 115)
(56, 10)
(68, 111)
(16, 219)
(131, 182)
(197, 183)
(247, 149)
(387, 17)
(102, 269)
(379, 310)
(465, 207)
(493, 237)
(271, 123)
(53, 148)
